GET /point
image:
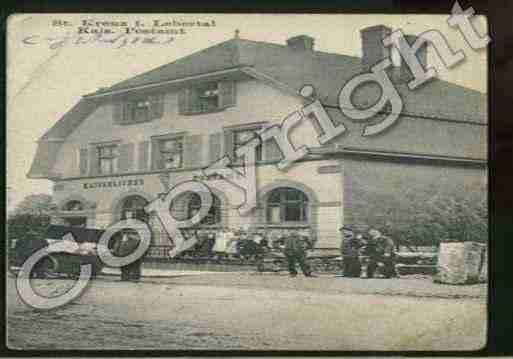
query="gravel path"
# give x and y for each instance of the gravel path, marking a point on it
(254, 312)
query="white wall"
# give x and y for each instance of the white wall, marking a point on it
(255, 102)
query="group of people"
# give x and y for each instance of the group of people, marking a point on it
(359, 250)
(373, 246)
(370, 248)
(227, 243)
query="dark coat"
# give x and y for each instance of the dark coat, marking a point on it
(295, 244)
(386, 245)
(126, 245)
(351, 247)
(380, 246)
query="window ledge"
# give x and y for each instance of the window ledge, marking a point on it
(136, 122)
(194, 113)
(83, 213)
(286, 224)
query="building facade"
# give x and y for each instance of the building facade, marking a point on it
(117, 149)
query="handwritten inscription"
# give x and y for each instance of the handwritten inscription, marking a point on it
(117, 41)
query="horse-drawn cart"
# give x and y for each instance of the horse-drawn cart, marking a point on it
(67, 261)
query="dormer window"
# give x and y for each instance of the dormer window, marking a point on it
(207, 97)
(139, 109)
(136, 111)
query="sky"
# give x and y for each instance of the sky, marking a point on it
(43, 82)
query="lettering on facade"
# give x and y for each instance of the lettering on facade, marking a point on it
(110, 184)
(212, 177)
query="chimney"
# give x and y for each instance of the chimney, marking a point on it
(373, 50)
(301, 42)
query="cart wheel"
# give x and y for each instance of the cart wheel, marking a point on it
(46, 267)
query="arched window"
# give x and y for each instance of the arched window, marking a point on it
(72, 219)
(214, 214)
(133, 207)
(286, 204)
(74, 206)
(186, 205)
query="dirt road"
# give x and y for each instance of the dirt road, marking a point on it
(255, 312)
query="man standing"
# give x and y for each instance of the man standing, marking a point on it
(125, 246)
(380, 248)
(295, 247)
(350, 249)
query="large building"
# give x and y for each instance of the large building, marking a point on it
(121, 146)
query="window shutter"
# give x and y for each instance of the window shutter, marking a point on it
(192, 151)
(227, 94)
(215, 147)
(271, 150)
(228, 144)
(155, 155)
(144, 148)
(83, 157)
(127, 113)
(117, 112)
(156, 106)
(126, 157)
(93, 161)
(184, 101)
(194, 101)
(348, 197)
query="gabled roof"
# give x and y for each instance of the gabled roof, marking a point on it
(218, 57)
(327, 72)
(70, 120)
(292, 68)
(236, 53)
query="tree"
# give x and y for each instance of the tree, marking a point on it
(31, 217)
(446, 216)
(36, 204)
(425, 218)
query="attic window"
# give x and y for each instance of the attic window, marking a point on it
(207, 97)
(136, 111)
(140, 109)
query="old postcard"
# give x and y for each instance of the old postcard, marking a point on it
(247, 181)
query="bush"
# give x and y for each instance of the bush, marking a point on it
(434, 216)
(27, 226)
